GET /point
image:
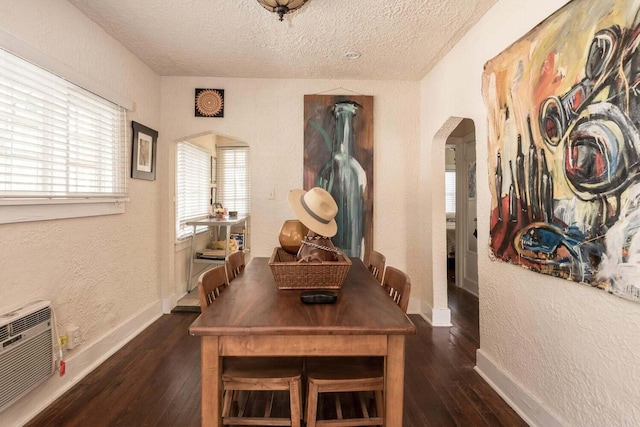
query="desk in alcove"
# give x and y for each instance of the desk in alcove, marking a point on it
(215, 222)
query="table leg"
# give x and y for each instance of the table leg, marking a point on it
(211, 372)
(226, 246)
(192, 253)
(394, 381)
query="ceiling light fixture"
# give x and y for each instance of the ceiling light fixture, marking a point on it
(352, 55)
(282, 7)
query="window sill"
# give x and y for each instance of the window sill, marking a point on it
(183, 243)
(12, 211)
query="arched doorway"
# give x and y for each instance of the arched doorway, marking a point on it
(196, 173)
(462, 219)
(461, 225)
(455, 132)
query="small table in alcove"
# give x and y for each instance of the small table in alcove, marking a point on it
(215, 222)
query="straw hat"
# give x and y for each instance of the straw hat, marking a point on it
(316, 209)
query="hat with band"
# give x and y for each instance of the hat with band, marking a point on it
(316, 209)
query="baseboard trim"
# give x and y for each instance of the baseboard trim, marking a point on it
(79, 363)
(169, 303)
(529, 409)
(436, 317)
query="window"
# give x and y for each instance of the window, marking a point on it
(193, 192)
(60, 144)
(450, 192)
(234, 180)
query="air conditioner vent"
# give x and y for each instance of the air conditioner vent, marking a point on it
(24, 367)
(26, 350)
(30, 321)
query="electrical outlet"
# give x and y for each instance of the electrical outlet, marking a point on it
(63, 340)
(73, 337)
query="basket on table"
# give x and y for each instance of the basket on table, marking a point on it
(288, 273)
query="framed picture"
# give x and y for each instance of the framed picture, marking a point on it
(214, 164)
(143, 157)
(209, 103)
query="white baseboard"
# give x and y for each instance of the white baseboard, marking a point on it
(437, 317)
(79, 363)
(169, 303)
(531, 411)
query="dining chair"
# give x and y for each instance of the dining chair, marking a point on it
(210, 284)
(397, 284)
(241, 375)
(234, 264)
(354, 374)
(376, 265)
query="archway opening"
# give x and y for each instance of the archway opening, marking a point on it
(209, 171)
(461, 225)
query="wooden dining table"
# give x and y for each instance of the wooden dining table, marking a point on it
(253, 318)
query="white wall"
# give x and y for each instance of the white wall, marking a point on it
(102, 273)
(563, 352)
(267, 114)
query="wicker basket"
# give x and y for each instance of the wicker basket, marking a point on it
(290, 274)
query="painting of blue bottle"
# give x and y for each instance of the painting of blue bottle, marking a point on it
(338, 156)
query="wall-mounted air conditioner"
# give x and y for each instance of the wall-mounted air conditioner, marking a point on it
(26, 350)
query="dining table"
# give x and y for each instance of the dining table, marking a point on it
(253, 318)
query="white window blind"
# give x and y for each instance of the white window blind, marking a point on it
(450, 191)
(193, 190)
(233, 179)
(57, 140)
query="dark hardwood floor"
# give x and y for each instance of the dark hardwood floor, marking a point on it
(155, 379)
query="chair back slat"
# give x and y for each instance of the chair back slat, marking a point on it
(376, 265)
(235, 264)
(210, 284)
(398, 285)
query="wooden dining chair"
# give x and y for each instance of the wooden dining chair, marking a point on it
(376, 265)
(246, 374)
(397, 284)
(235, 264)
(210, 284)
(343, 375)
(354, 374)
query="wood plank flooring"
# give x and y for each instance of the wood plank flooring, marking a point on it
(155, 379)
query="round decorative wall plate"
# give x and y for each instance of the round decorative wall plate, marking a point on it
(209, 103)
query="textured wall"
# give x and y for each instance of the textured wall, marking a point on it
(98, 271)
(268, 115)
(573, 348)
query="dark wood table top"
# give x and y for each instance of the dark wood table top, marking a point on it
(253, 305)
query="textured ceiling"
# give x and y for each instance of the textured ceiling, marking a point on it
(398, 39)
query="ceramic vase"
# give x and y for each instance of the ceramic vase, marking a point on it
(291, 235)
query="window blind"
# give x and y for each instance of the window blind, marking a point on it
(193, 190)
(450, 191)
(233, 179)
(57, 140)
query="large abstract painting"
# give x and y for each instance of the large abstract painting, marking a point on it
(564, 147)
(338, 156)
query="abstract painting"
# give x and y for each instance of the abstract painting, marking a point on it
(338, 156)
(564, 147)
